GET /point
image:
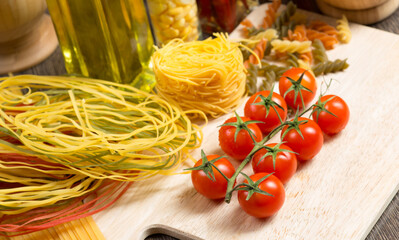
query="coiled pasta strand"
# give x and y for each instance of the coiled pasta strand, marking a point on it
(266, 67)
(319, 52)
(291, 46)
(330, 67)
(327, 40)
(284, 17)
(292, 60)
(268, 82)
(259, 50)
(344, 32)
(323, 27)
(247, 25)
(252, 79)
(299, 34)
(268, 34)
(270, 16)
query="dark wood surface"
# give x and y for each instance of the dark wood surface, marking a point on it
(387, 227)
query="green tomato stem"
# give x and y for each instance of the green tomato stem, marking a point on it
(259, 145)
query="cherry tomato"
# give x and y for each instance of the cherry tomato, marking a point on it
(308, 146)
(205, 186)
(261, 205)
(308, 81)
(243, 145)
(269, 116)
(329, 123)
(285, 162)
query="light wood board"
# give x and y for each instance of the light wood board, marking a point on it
(340, 194)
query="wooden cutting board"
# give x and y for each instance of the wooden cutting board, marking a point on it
(340, 194)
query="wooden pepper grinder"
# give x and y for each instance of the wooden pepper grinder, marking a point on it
(27, 35)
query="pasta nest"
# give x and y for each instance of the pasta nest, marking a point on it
(204, 75)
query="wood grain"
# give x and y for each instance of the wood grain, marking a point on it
(355, 5)
(338, 195)
(387, 227)
(363, 16)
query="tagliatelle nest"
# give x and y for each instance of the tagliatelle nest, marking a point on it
(204, 75)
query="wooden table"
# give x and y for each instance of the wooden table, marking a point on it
(387, 227)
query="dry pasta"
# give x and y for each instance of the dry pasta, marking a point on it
(299, 34)
(97, 128)
(259, 51)
(293, 42)
(291, 46)
(270, 16)
(284, 17)
(206, 75)
(323, 27)
(327, 40)
(268, 34)
(319, 52)
(344, 32)
(330, 67)
(247, 25)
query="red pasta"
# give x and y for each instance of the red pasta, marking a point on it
(270, 17)
(299, 34)
(327, 40)
(259, 51)
(323, 27)
(247, 24)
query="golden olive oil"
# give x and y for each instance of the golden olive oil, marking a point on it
(105, 39)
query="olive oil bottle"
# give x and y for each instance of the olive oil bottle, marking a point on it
(105, 39)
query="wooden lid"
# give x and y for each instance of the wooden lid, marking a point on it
(355, 4)
(30, 49)
(365, 16)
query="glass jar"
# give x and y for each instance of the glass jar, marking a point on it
(223, 15)
(174, 19)
(105, 39)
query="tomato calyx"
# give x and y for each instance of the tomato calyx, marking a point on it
(239, 124)
(320, 107)
(294, 125)
(207, 166)
(268, 103)
(252, 187)
(296, 86)
(273, 151)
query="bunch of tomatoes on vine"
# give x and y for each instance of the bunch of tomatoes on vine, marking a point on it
(245, 139)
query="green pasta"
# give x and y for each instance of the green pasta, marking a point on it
(330, 67)
(268, 49)
(319, 52)
(266, 67)
(252, 79)
(270, 79)
(292, 60)
(284, 18)
(254, 31)
(244, 51)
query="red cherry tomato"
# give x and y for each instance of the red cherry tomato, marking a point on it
(260, 205)
(329, 123)
(205, 186)
(308, 146)
(243, 145)
(308, 81)
(285, 162)
(269, 116)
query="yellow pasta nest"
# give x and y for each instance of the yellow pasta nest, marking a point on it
(204, 75)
